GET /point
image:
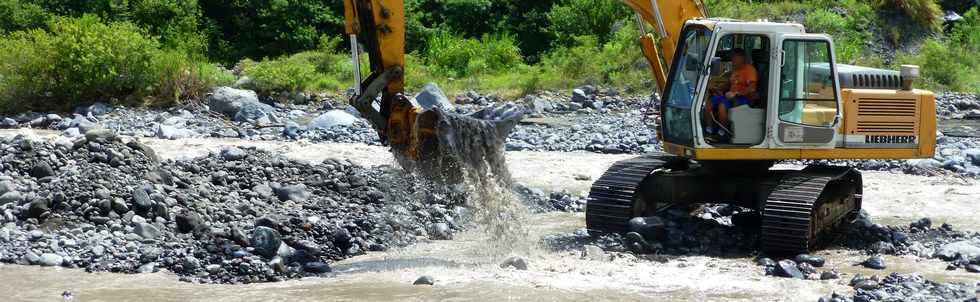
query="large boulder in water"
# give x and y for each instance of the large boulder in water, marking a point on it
(332, 119)
(432, 97)
(964, 249)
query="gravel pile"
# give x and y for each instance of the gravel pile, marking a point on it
(239, 216)
(961, 249)
(902, 287)
(958, 105)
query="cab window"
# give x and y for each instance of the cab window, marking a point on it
(806, 93)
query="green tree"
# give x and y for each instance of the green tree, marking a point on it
(574, 18)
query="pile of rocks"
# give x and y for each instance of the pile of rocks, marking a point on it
(957, 105)
(959, 248)
(99, 203)
(903, 287)
(707, 230)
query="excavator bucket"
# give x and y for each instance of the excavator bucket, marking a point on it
(429, 138)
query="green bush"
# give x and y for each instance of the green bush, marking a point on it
(619, 62)
(306, 71)
(461, 56)
(81, 60)
(574, 18)
(16, 15)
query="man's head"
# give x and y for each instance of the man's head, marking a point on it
(738, 57)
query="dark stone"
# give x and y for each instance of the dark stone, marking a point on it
(295, 193)
(188, 222)
(316, 267)
(141, 200)
(266, 241)
(37, 207)
(42, 170)
(828, 275)
(787, 268)
(813, 260)
(518, 263)
(651, 228)
(874, 262)
(425, 280)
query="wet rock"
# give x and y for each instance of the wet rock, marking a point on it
(297, 193)
(232, 153)
(188, 222)
(42, 170)
(806, 268)
(146, 230)
(866, 284)
(787, 268)
(424, 280)
(829, 275)
(332, 118)
(10, 197)
(651, 228)
(51, 259)
(37, 207)
(440, 231)
(518, 263)
(973, 268)
(316, 267)
(147, 268)
(813, 260)
(964, 249)
(594, 253)
(266, 241)
(141, 201)
(874, 262)
(172, 132)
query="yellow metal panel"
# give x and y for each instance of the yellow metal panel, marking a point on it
(927, 124)
(780, 154)
(653, 57)
(674, 14)
(746, 154)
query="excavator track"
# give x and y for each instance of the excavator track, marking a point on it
(806, 208)
(612, 196)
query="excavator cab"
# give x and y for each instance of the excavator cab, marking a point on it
(796, 102)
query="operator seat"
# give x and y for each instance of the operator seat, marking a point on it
(760, 60)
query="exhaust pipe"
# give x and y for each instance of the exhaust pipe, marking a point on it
(909, 74)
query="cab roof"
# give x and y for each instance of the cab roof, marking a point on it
(750, 26)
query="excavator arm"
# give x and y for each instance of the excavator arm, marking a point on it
(416, 133)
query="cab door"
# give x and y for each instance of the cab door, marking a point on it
(807, 99)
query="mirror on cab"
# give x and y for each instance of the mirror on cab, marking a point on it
(715, 66)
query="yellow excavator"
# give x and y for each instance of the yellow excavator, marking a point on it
(806, 107)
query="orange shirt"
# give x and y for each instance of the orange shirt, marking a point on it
(742, 78)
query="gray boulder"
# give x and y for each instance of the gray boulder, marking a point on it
(432, 97)
(332, 119)
(257, 113)
(8, 123)
(51, 259)
(172, 132)
(233, 153)
(973, 155)
(228, 101)
(965, 249)
(10, 197)
(146, 230)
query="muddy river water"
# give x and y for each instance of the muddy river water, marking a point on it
(464, 270)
